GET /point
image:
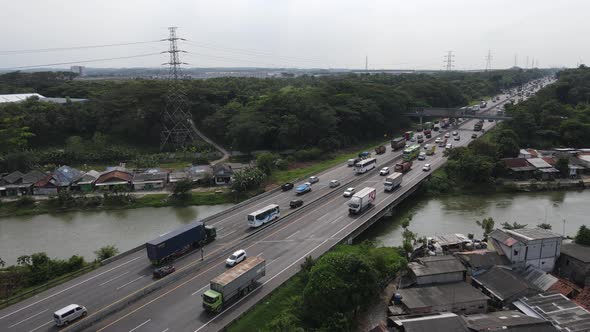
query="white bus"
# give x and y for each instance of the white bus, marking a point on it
(365, 165)
(264, 215)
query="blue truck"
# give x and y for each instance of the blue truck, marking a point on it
(302, 189)
(169, 246)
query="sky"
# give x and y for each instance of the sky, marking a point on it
(391, 34)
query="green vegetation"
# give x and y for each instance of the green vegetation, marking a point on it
(583, 236)
(487, 224)
(514, 225)
(328, 293)
(545, 226)
(106, 252)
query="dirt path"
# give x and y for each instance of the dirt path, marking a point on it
(217, 146)
(377, 312)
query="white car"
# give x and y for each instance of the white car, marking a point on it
(449, 146)
(437, 140)
(426, 167)
(384, 171)
(334, 183)
(422, 156)
(313, 179)
(236, 258)
(455, 133)
(457, 138)
(349, 192)
(67, 314)
(447, 135)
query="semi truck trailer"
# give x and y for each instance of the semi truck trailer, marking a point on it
(167, 247)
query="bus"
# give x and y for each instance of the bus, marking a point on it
(264, 215)
(365, 165)
(411, 152)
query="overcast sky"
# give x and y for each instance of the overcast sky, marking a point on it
(299, 33)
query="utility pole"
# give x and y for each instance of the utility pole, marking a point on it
(533, 63)
(178, 129)
(366, 63)
(489, 61)
(527, 62)
(515, 59)
(449, 61)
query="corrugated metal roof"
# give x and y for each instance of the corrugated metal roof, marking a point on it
(18, 97)
(538, 163)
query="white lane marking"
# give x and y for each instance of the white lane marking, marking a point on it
(119, 276)
(26, 319)
(131, 282)
(224, 235)
(166, 330)
(260, 254)
(40, 326)
(140, 325)
(290, 236)
(269, 280)
(200, 289)
(66, 289)
(335, 220)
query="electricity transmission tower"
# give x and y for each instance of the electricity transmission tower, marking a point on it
(449, 61)
(178, 130)
(489, 61)
(515, 60)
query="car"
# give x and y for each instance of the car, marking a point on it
(447, 135)
(384, 171)
(457, 138)
(313, 179)
(302, 189)
(69, 313)
(235, 258)
(449, 146)
(334, 183)
(287, 186)
(490, 120)
(413, 139)
(426, 167)
(438, 140)
(163, 271)
(474, 135)
(422, 156)
(455, 133)
(349, 192)
(295, 203)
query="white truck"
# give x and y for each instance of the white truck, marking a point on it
(393, 181)
(362, 200)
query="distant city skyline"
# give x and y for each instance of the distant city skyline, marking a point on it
(296, 33)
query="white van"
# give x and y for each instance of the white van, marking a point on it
(65, 315)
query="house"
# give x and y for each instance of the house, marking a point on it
(151, 179)
(509, 321)
(519, 168)
(528, 246)
(479, 261)
(86, 182)
(447, 321)
(563, 313)
(28, 181)
(9, 182)
(503, 285)
(114, 179)
(436, 270)
(543, 169)
(574, 262)
(196, 174)
(458, 297)
(222, 174)
(60, 179)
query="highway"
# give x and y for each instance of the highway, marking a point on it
(323, 222)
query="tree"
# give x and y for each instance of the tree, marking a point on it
(562, 165)
(514, 225)
(182, 189)
(583, 236)
(266, 161)
(2, 262)
(544, 226)
(13, 135)
(247, 178)
(487, 224)
(507, 142)
(106, 252)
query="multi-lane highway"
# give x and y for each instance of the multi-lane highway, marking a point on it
(321, 223)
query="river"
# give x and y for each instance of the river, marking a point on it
(458, 214)
(62, 235)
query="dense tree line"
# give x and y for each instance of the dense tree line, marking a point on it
(558, 115)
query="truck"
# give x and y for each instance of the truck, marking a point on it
(169, 246)
(398, 143)
(393, 181)
(362, 200)
(477, 126)
(380, 149)
(443, 143)
(302, 189)
(419, 138)
(403, 167)
(427, 125)
(234, 283)
(430, 149)
(483, 104)
(428, 133)
(408, 135)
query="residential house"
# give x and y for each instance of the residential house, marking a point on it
(458, 297)
(563, 313)
(151, 179)
(543, 169)
(86, 182)
(436, 270)
(9, 183)
(195, 174)
(114, 179)
(222, 174)
(503, 285)
(519, 168)
(26, 187)
(479, 261)
(527, 246)
(574, 262)
(60, 179)
(446, 321)
(508, 321)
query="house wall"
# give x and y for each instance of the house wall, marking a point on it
(45, 191)
(572, 269)
(148, 186)
(440, 278)
(469, 307)
(542, 254)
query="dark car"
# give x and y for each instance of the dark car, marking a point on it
(287, 186)
(473, 135)
(295, 203)
(163, 271)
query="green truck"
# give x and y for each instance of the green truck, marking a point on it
(234, 283)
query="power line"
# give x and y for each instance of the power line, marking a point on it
(84, 61)
(54, 49)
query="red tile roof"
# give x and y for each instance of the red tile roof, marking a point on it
(515, 162)
(550, 160)
(565, 287)
(533, 152)
(583, 299)
(115, 175)
(45, 181)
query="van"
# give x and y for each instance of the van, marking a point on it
(65, 315)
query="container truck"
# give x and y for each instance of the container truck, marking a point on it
(362, 200)
(234, 283)
(428, 133)
(403, 167)
(408, 135)
(393, 181)
(168, 246)
(380, 149)
(398, 143)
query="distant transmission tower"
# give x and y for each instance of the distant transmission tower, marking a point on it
(515, 59)
(489, 61)
(178, 129)
(366, 63)
(527, 62)
(449, 61)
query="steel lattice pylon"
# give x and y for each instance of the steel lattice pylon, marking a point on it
(177, 126)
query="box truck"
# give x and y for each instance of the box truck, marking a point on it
(362, 200)
(393, 181)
